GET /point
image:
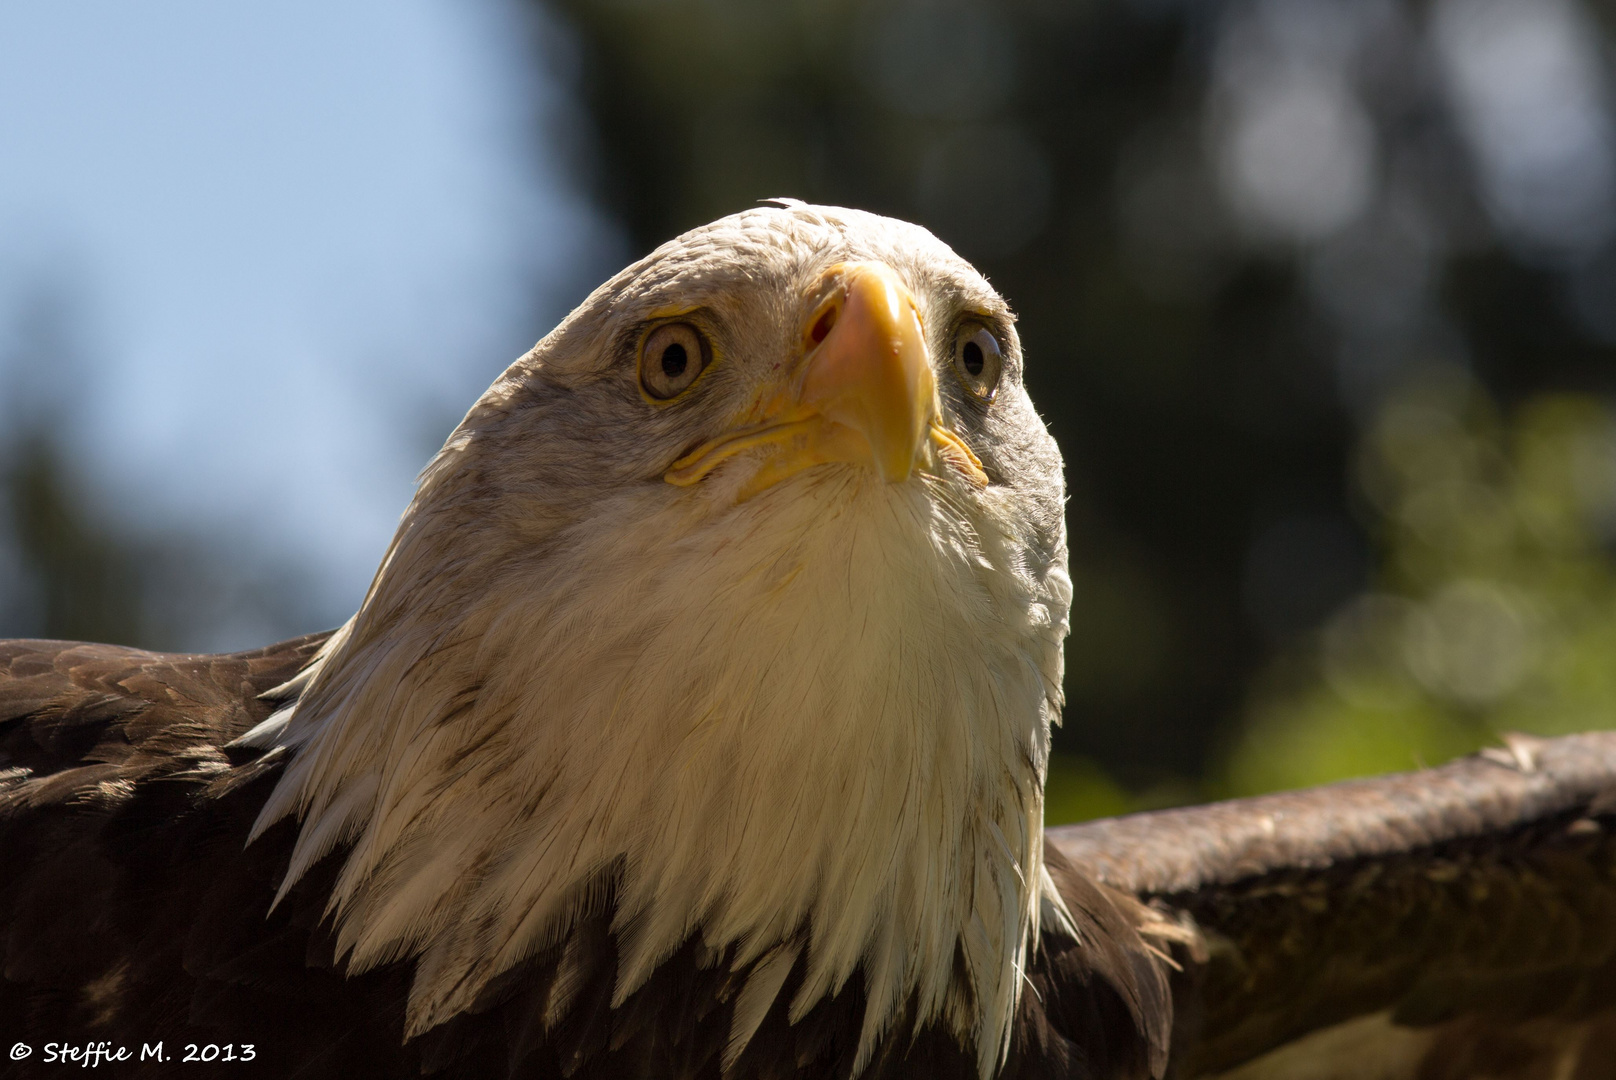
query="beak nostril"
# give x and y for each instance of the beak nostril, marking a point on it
(823, 325)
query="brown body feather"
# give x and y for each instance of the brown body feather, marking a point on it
(133, 911)
(1473, 907)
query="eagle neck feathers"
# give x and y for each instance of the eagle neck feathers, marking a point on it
(809, 730)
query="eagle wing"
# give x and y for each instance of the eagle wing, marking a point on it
(132, 911)
(74, 716)
(1449, 922)
(1432, 921)
(127, 899)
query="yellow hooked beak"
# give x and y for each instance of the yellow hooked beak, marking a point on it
(865, 393)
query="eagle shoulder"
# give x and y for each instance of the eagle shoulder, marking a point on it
(74, 715)
(132, 911)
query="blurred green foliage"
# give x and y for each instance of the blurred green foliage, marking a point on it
(66, 570)
(71, 577)
(1494, 605)
(1077, 789)
(1492, 610)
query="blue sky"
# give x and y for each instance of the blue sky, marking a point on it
(297, 240)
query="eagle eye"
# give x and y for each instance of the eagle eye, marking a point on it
(978, 360)
(671, 358)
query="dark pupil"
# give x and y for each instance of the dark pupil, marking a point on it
(674, 360)
(973, 358)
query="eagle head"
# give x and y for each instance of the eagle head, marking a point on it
(731, 614)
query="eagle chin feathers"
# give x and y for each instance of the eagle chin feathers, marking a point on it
(808, 730)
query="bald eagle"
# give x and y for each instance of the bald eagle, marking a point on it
(695, 725)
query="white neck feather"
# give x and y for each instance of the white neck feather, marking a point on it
(812, 725)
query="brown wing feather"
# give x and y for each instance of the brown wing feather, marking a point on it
(66, 706)
(1098, 1005)
(116, 873)
(1470, 902)
(132, 911)
(1477, 900)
